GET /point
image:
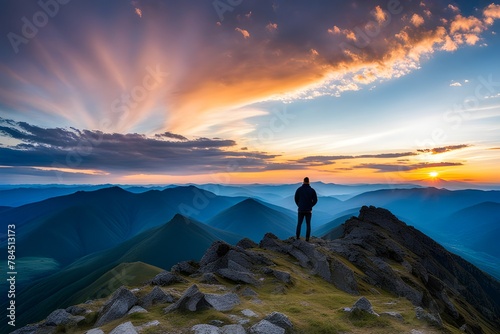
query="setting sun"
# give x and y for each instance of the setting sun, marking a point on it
(433, 174)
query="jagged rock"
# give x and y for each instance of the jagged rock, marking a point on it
(205, 329)
(343, 277)
(279, 319)
(265, 327)
(95, 331)
(224, 302)
(185, 267)
(282, 276)
(248, 292)
(137, 309)
(246, 243)
(125, 328)
(76, 310)
(237, 276)
(233, 329)
(192, 300)
(156, 296)
(249, 313)
(305, 252)
(363, 304)
(391, 314)
(432, 319)
(167, 278)
(61, 317)
(209, 278)
(213, 258)
(117, 306)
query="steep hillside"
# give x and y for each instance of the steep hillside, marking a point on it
(405, 261)
(69, 227)
(424, 206)
(253, 219)
(380, 276)
(178, 240)
(477, 226)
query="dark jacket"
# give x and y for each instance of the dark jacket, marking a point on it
(305, 198)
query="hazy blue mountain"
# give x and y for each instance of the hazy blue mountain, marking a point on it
(29, 194)
(477, 227)
(5, 208)
(163, 246)
(68, 227)
(272, 192)
(423, 206)
(338, 220)
(253, 220)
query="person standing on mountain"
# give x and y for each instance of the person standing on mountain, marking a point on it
(305, 198)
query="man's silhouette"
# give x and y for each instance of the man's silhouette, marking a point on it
(305, 198)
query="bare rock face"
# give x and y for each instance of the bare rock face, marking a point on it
(433, 319)
(194, 300)
(266, 327)
(117, 306)
(312, 257)
(167, 278)
(432, 277)
(125, 328)
(233, 263)
(185, 268)
(363, 305)
(156, 296)
(279, 319)
(61, 317)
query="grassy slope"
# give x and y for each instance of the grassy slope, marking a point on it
(313, 305)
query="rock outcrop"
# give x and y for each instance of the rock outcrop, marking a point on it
(117, 306)
(194, 300)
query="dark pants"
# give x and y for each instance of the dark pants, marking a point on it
(308, 223)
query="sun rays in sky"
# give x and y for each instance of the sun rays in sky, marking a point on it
(158, 91)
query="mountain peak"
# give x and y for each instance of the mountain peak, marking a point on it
(179, 219)
(376, 239)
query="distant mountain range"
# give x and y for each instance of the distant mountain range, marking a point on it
(415, 283)
(67, 243)
(253, 219)
(163, 246)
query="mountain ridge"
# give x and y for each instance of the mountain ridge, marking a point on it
(377, 256)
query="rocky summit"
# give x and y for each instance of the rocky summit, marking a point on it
(377, 275)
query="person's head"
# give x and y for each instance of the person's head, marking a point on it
(306, 180)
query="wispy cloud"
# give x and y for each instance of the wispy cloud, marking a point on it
(95, 152)
(331, 159)
(406, 167)
(438, 150)
(244, 59)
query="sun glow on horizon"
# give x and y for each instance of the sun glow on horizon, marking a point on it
(434, 174)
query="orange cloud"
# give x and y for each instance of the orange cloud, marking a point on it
(417, 20)
(469, 24)
(380, 15)
(272, 26)
(244, 32)
(491, 13)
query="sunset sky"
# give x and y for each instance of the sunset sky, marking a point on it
(240, 91)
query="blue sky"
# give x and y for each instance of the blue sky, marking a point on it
(262, 91)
